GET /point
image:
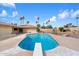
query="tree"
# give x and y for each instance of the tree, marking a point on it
(55, 30)
(37, 23)
(49, 26)
(61, 29)
(43, 27)
(37, 19)
(28, 22)
(38, 27)
(22, 19)
(68, 25)
(77, 17)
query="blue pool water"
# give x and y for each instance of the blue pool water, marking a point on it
(46, 41)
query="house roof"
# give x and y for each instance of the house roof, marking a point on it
(3, 23)
(17, 26)
(6, 24)
(27, 26)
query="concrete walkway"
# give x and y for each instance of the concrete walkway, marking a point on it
(58, 51)
(62, 51)
(15, 51)
(67, 42)
(11, 42)
(10, 46)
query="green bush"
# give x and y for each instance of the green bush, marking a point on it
(61, 29)
(38, 29)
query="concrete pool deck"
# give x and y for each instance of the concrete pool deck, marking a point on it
(68, 42)
(11, 45)
(67, 47)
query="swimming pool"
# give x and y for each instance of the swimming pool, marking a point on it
(46, 41)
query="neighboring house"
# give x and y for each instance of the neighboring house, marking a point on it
(24, 29)
(6, 28)
(74, 29)
(46, 30)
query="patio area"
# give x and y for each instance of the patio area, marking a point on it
(67, 47)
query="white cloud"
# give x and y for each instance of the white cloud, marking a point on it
(15, 13)
(53, 19)
(50, 20)
(75, 13)
(72, 10)
(4, 13)
(64, 14)
(11, 5)
(68, 13)
(8, 4)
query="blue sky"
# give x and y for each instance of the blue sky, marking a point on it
(58, 14)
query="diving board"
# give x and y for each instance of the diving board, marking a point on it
(38, 50)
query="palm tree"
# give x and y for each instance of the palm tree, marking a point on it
(22, 19)
(47, 22)
(37, 20)
(38, 27)
(77, 17)
(28, 22)
(43, 24)
(37, 23)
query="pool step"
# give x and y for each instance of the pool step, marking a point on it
(38, 50)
